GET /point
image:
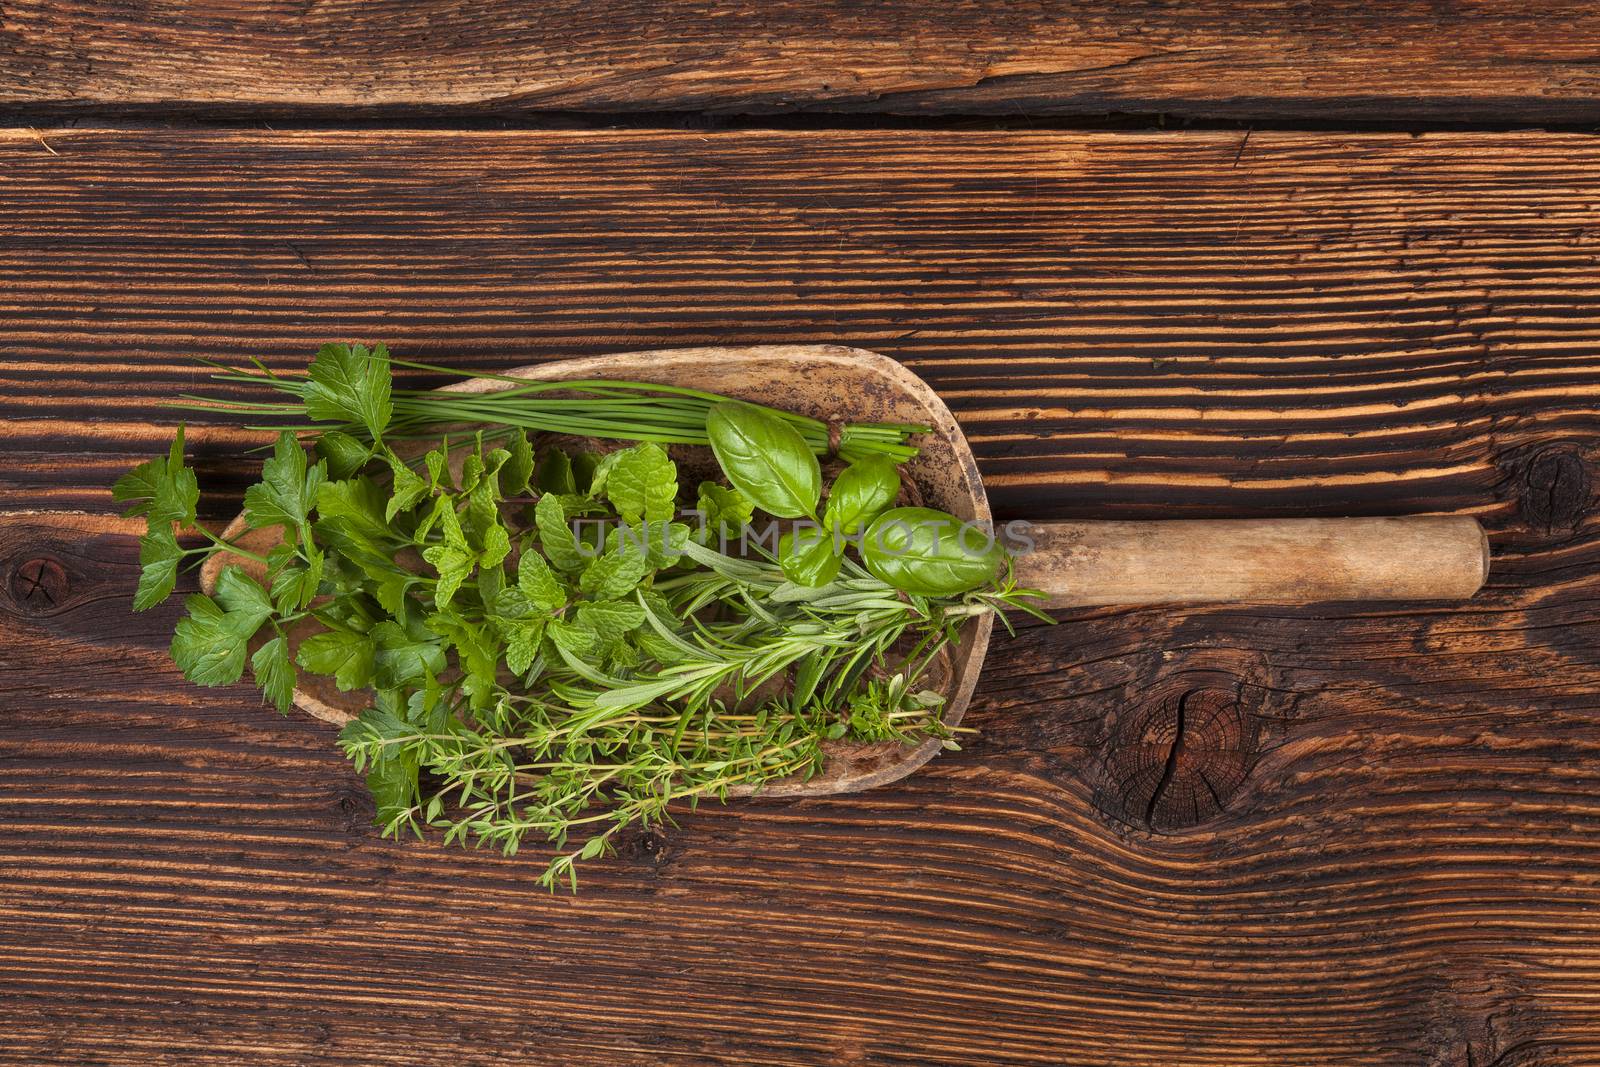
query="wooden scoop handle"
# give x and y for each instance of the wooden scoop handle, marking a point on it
(1259, 560)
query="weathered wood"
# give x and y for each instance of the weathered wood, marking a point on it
(1335, 835)
(1274, 561)
(1342, 59)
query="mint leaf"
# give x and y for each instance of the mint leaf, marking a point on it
(643, 484)
(538, 583)
(287, 491)
(556, 537)
(555, 473)
(610, 620)
(577, 639)
(519, 466)
(522, 642)
(351, 384)
(348, 657)
(273, 672)
(159, 556)
(614, 574)
(454, 566)
(496, 546)
(725, 511)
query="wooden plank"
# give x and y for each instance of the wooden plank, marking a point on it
(1376, 841)
(1407, 61)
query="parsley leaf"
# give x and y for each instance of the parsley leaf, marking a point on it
(209, 644)
(404, 654)
(351, 384)
(159, 556)
(273, 672)
(347, 656)
(287, 491)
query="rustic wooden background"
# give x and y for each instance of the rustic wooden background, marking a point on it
(1096, 229)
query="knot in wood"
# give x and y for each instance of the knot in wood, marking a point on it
(38, 586)
(1175, 759)
(1554, 489)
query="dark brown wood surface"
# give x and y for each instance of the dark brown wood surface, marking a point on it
(1413, 60)
(1335, 834)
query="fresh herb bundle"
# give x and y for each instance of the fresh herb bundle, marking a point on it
(549, 647)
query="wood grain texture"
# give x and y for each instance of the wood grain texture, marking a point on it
(1360, 834)
(1413, 60)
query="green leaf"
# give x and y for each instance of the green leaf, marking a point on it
(209, 645)
(159, 556)
(407, 490)
(538, 583)
(518, 468)
(555, 473)
(523, 637)
(860, 492)
(287, 491)
(343, 454)
(584, 465)
(162, 489)
(724, 510)
(614, 574)
(354, 511)
(809, 556)
(556, 537)
(206, 646)
(766, 459)
(643, 484)
(348, 383)
(241, 594)
(294, 582)
(438, 463)
(496, 546)
(273, 672)
(138, 486)
(610, 620)
(929, 553)
(347, 656)
(454, 566)
(404, 654)
(574, 637)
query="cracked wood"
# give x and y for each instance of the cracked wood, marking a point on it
(1339, 60)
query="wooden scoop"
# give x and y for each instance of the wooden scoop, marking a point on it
(1074, 563)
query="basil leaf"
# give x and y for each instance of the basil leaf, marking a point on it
(809, 556)
(929, 553)
(862, 490)
(766, 459)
